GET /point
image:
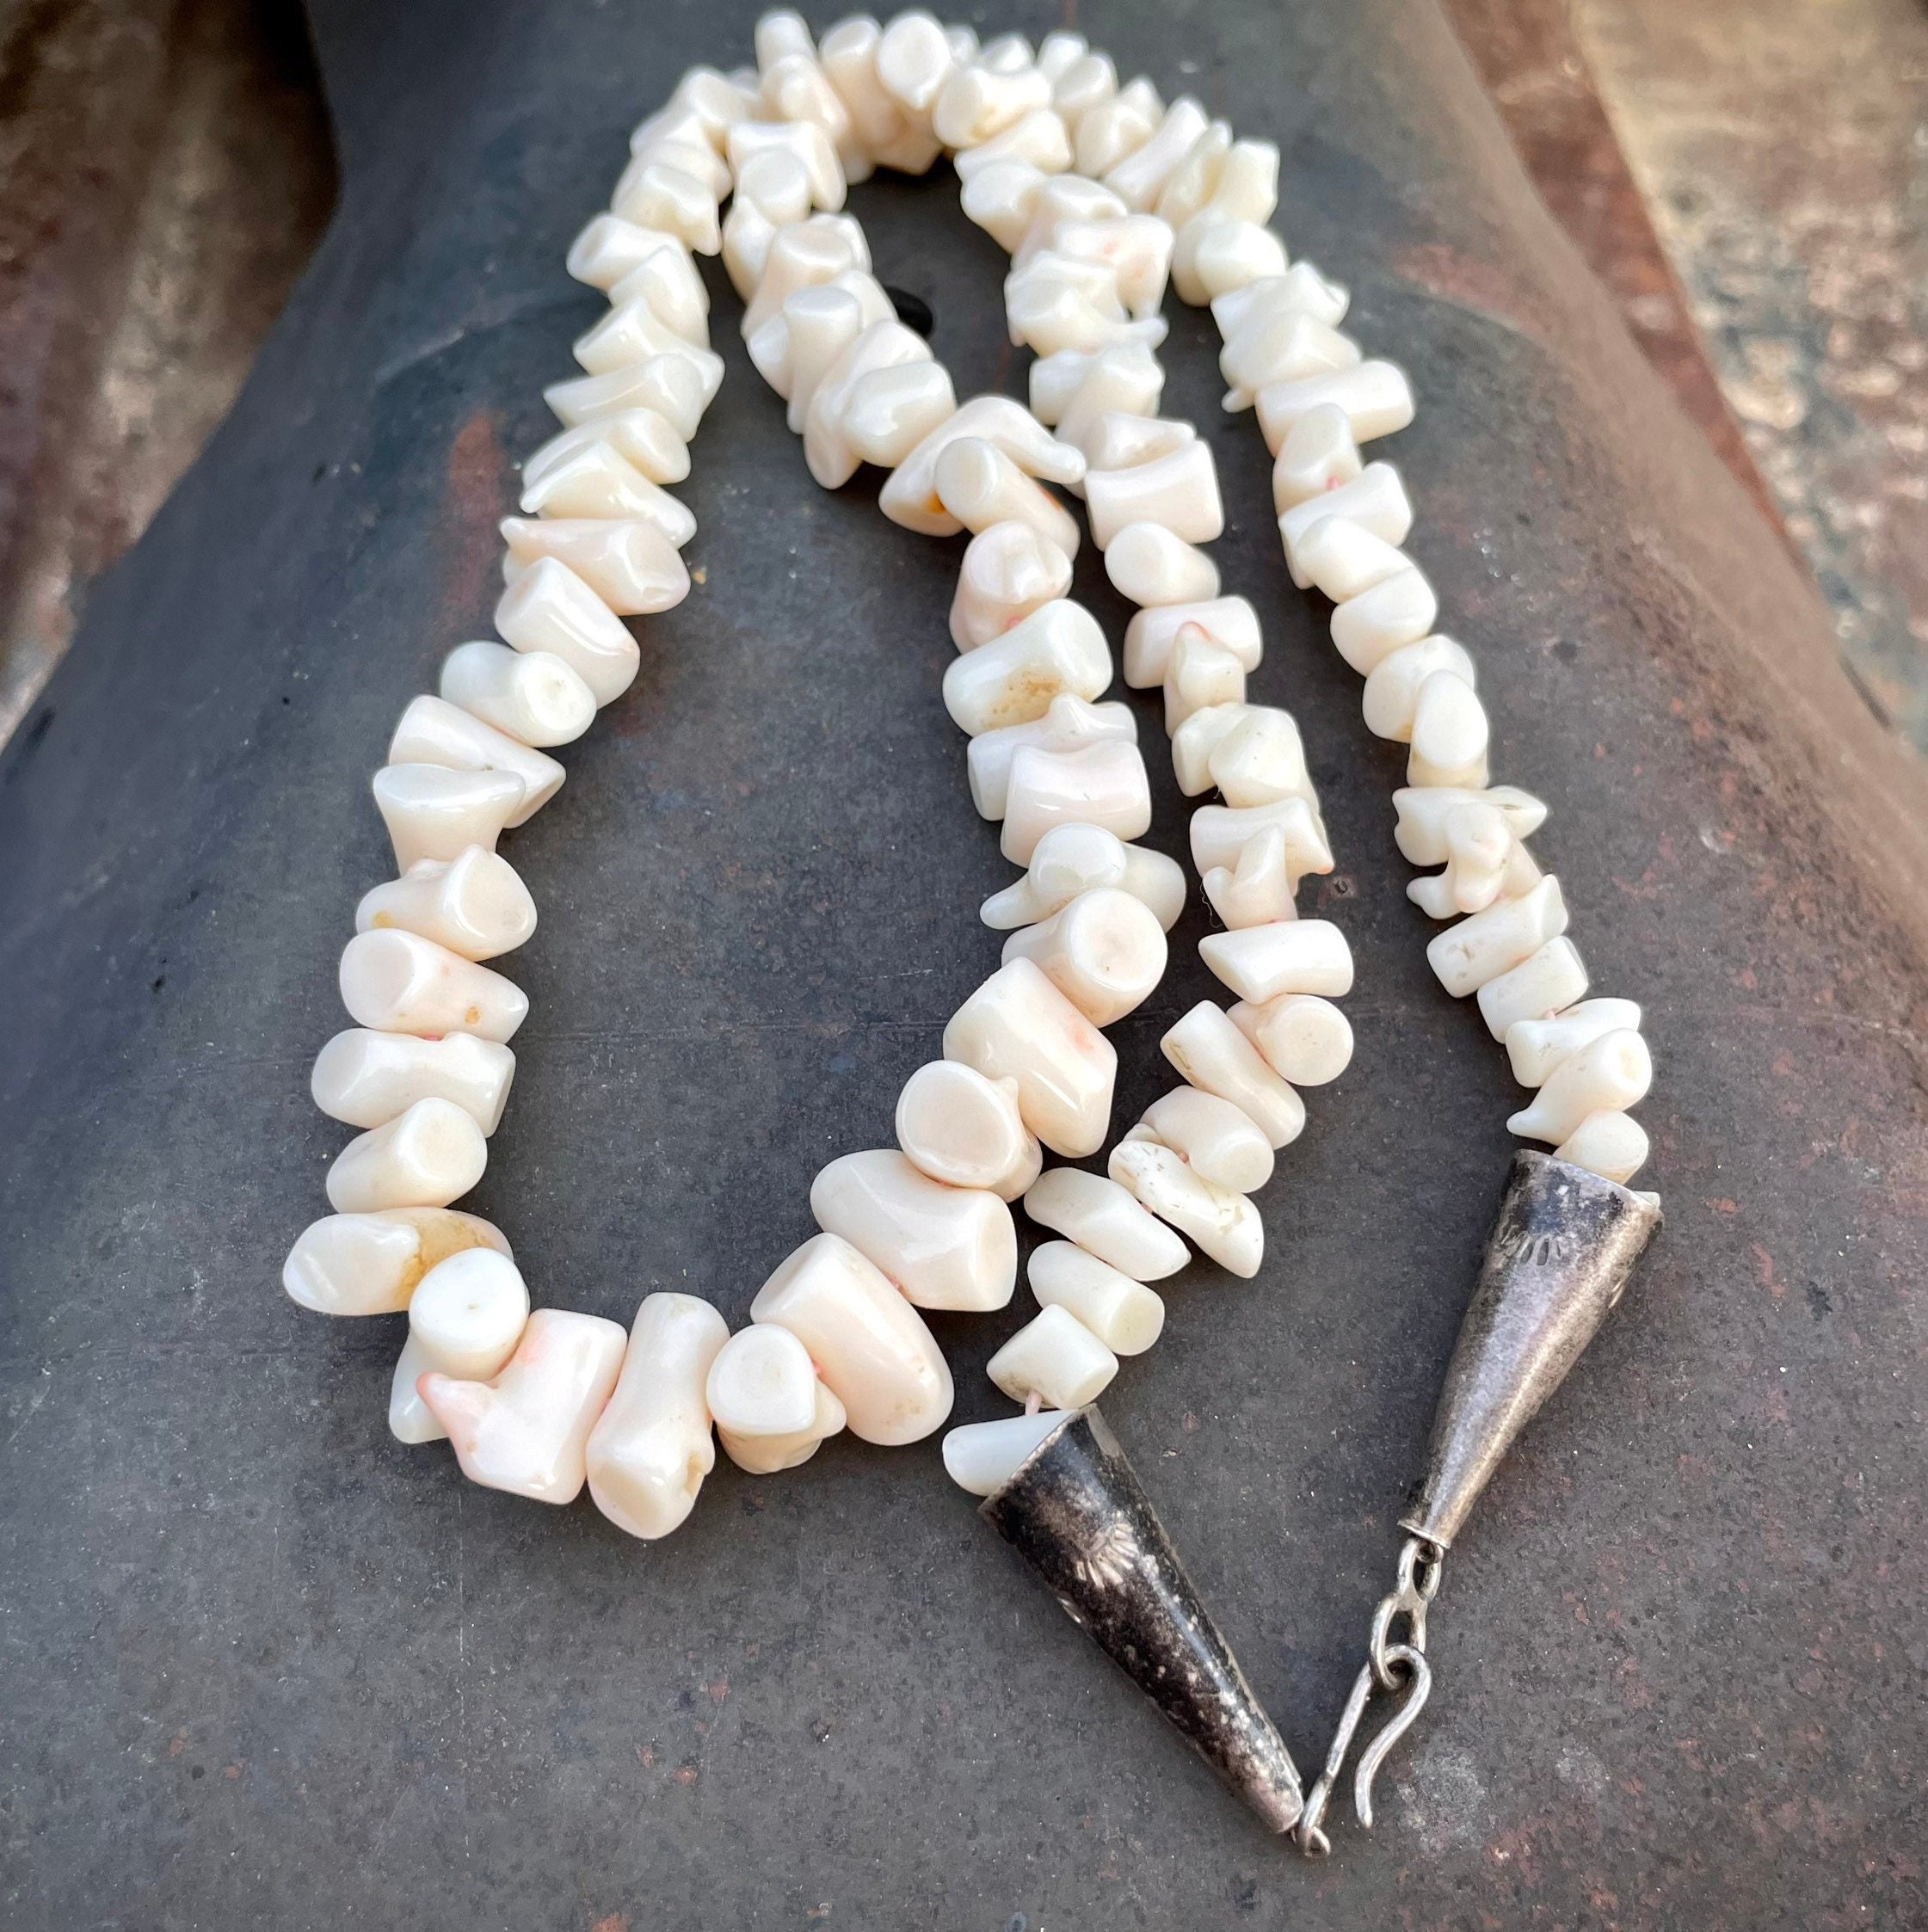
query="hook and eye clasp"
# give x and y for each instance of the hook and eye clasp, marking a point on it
(1394, 1669)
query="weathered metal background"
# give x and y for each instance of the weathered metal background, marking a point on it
(265, 1666)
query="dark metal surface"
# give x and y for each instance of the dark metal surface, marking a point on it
(1076, 1512)
(264, 1666)
(1562, 1246)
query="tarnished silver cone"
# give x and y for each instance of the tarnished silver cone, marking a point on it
(1560, 1253)
(1074, 1509)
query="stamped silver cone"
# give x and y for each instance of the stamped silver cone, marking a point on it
(1559, 1256)
(1076, 1512)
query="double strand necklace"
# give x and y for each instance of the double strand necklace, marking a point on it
(1103, 196)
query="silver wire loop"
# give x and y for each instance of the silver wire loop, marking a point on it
(1396, 1670)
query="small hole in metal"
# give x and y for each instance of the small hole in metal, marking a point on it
(913, 310)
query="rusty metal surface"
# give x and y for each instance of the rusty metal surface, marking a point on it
(167, 173)
(1782, 148)
(265, 1666)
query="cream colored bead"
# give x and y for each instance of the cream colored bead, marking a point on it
(1153, 566)
(527, 1430)
(706, 105)
(877, 122)
(1054, 303)
(1199, 674)
(1257, 890)
(1375, 397)
(1608, 1075)
(982, 1456)
(869, 1345)
(874, 358)
(1059, 52)
(944, 1247)
(432, 732)
(432, 812)
(1318, 458)
(1367, 629)
(631, 566)
(1009, 569)
(910, 497)
(1069, 723)
(473, 904)
(1281, 347)
(797, 346)
(1118, 441)
(627, 336)
(474, 1309)
(1210, 1052)
(805, 143)
(837, 334)
(1221, 1223)
(1546, 982)
(1001, 196)
(1105, 1223)
(1223, 179)
(530, 695)
(1139, 179)
(1056, 201)
(426, 1157)
(1259, 758)
(1344, 560)
(974, 104)
(1188, 188)
(1193, 743)
(1535, 1047)
(1105, 952)
(679, 388)
(765, 1455)
(913, 59)
(607, 247)
(964, 1130)
(399, 983)
(802, 255)
(1229, 622)
(761, 1383)
(1219, 834)
(1103, 785)
(891, 411)
(1013, 680)
(774, 191)
(1484, 862)
(655, 194)
(1300, 289)
(1213, 256)
(797, 90)
(668, 280)
(1018, 1025)
(1422, 814)
(1374, 501)
(1290, 956)
(1037, 141)
(1179, 491)
(367, 1078)
(1391, 699)
(1136, 247)
(1478, 949)
(1110, 129)
(595, 482)
(1125, 1315)
(1608, 1143)
(1076, 391)
(651, 1447)
(550, 609)
(370, 1264)
(1450, 735)
(644, 439)
(1074, 858)
(1216, 1138)
(1056, 1358)
(1305, 1040)
(980, 486)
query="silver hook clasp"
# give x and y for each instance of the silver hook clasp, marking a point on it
(1393, 1670)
